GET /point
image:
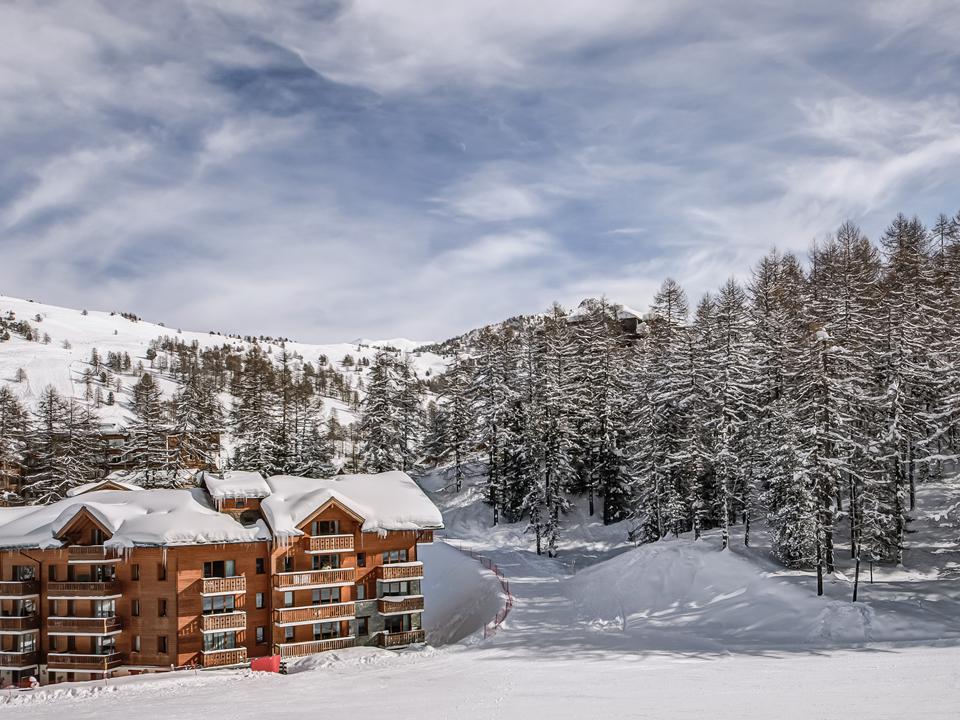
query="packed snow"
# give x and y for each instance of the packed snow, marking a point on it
(676, 629)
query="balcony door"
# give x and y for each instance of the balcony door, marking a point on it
(219, 569)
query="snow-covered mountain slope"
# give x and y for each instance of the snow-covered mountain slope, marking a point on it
(75, 333)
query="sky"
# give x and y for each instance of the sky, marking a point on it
(333, 170)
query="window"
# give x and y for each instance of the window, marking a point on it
(261, 563)
(325, 596)
(240, 502)
(288, 564)
(218, 604)
(219, 641)
(260, 601)
(162, 644)
(401, 623)
(136, 643)
(135, 572)
(161, 572)
(394, 589)
(23, 572)
(219, 569)
(135, 608)
(361, 559)
(96, 536)
(363, 628)
(52, 573)
(326, 562)
(288, 633)
(324, 631)
(288, 599)
(324, 527)
(162, 607)
(395, 556)
(361, 592)
(261, 635)
(104, 608)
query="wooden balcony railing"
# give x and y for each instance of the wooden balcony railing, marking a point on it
(330, 543)
(313, 578)
(235, 585)
(91, 553)
(400, 639)
(223, 621)
(77, 661)
(83, 625)
(219, 658)
(14, 623)
(311, 647)
(17, 659)
(400, 571)
(83, 589)
(18, 588)
(386, 606)
(314, 613)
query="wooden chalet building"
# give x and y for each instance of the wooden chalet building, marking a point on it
(120, 581)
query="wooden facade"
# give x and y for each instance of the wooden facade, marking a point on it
(84, 611)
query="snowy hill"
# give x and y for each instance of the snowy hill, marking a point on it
(73, 334)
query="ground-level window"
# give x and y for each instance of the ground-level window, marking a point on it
(325, 631)
(363, 627)
(401, 623)
(219, 641)
(162, 644)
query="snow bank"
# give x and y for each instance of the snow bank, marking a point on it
(461, 596)
(683, 594)
(385, 501)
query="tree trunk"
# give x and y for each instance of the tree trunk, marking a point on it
(856, 579)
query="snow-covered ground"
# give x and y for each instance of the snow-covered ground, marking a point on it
(675, 630)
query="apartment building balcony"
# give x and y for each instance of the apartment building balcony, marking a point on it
(425, 537)
(83, 590)
(314, 614)
(329, 543)
(223, 621)
(400, 605)
(82, 662)
(400, 571)
(91, 626)
(310, 647)
(401, 639)
(236, 585)
(17, 660)
(223, 658)
(310, 579)
(16, 589)
(18, 624)
(92, 555)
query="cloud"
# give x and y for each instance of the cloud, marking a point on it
(333, 170)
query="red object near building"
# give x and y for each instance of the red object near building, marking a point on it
(271, 663)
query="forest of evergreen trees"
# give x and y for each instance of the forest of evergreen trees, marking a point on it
(814, 398)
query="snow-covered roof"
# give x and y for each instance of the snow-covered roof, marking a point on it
(236, 484)
(385, 501)
(108, 483)
(133, 517)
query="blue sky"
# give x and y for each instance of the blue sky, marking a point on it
(408, 168)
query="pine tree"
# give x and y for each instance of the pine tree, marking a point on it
(459, 423)
(14, 428)
(253, 415)
(383, 444)
(198, 421)
(148, 448)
